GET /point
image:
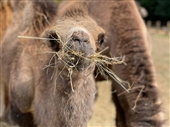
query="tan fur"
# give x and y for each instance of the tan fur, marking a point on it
(5, 17)
(126, 35)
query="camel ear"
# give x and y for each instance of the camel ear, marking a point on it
(51, 39)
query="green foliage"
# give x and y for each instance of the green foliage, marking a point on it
(58, 1)
(163, 9)
(157, 9)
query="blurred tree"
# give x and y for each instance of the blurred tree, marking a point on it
(157, 9)
(163, 9)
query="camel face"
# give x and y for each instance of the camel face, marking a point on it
(75, 38)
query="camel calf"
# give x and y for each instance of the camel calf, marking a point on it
(48, 84)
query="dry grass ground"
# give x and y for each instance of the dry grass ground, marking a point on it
(103, 115)
(161, 58)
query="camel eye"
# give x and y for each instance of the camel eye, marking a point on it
(54, 44)
(101, 39)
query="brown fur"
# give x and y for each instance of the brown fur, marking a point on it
(35, 98)
(5, 19)
(126, 35)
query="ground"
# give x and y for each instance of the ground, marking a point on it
(104, 113)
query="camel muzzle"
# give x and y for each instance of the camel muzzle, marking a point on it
(78, 49)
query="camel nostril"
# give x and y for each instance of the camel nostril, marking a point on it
(77, 40)
(80, 36)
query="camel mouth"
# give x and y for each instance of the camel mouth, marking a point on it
(72, 52)
(77, 52)
(77, 62)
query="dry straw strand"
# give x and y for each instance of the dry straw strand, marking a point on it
(101, 61)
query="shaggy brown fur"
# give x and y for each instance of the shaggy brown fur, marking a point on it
(126, 35)
(43, 97)
(5, 17)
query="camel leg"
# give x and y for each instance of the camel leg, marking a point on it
(120, 114)
(4, 101)
(14, 116)
(22, 119)
(2, 105)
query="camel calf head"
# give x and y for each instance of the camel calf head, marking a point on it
(75, 36)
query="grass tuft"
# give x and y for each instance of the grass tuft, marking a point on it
(101, 61)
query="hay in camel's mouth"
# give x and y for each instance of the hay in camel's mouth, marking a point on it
(101, 61)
